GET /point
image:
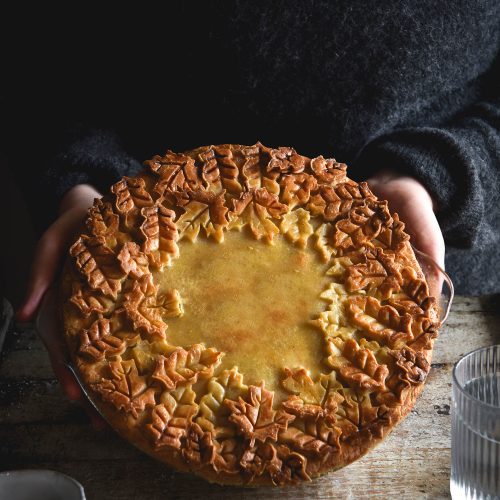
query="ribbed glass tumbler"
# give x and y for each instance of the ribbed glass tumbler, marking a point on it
(475, 432)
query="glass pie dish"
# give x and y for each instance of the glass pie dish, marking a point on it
(248, 314)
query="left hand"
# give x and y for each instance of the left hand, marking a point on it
(415, 207)
(47, 262)
(53, 246)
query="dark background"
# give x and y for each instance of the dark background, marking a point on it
(327, 78)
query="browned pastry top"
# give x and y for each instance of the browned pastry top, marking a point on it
(248, 314)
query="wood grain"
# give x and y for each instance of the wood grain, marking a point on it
(41, 429)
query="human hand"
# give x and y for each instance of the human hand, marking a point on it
(415, 207)
(47, 261)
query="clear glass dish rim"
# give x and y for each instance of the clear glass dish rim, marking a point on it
(446, 279)
(461, 388)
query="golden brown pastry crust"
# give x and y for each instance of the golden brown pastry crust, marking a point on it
(378, 327)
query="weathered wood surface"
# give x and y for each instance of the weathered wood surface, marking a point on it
(41, 429)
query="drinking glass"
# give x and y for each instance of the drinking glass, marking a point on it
(475, 432)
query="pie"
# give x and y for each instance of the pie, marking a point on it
(248, 314)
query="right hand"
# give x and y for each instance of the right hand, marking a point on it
(47, 262)
(415, 206)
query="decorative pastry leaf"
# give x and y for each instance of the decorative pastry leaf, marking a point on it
(361, 225)
(228, 384)
(281, 464)
(393, 236)
(295, 225)
(328, 170)
(377, 420)
(417, 289)
(285, 160)
(202, 209)
(359, 410)
(314, 400)
(102, 221)
(97, 262)
(299, 382)
(98, 341)
(202, 449)
(257, 420)
(357, 366)
(262, 198)
(410, 369)
(89, 302)
(125, 388)
(131, 196)
(256, 208)
(251, 170)
(160, 235)
(377, 273)
(324, 241)
(293, 467)
(337, 295)
(339, 266)
(147, 311)
(296, 406)
(171, 419)
(385, 324)
(332, 201)
(413, 366)
(296, 189)
(199, 447)
(132, 261)
(177, 172)
(219, 170)
(186, 366)
(228, 454)
(257, 459)
(317, 438)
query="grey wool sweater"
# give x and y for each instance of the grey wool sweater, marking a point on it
(412, 86)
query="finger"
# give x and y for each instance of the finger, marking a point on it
(97, 422)
(48, 328)
(47, 259)
(72, 388)
(414, 207)
(69, 384)
(73, 391)
(43, 271)
(426, 235)
(49, 253)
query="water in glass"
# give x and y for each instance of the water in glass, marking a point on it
(476, 426)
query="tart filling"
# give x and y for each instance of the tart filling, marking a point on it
(244, 291)
(248, 314)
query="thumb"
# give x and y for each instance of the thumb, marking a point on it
(48, 254)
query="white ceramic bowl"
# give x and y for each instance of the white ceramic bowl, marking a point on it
(39, 485)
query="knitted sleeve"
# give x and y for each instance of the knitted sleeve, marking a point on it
(96, 157)
(78, 155)
(458, 162)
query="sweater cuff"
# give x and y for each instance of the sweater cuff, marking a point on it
(96, 159)
(433, 157)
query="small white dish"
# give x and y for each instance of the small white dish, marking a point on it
(39, 485)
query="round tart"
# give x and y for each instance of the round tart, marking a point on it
(248, 314)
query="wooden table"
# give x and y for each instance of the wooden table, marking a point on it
(41, 429)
